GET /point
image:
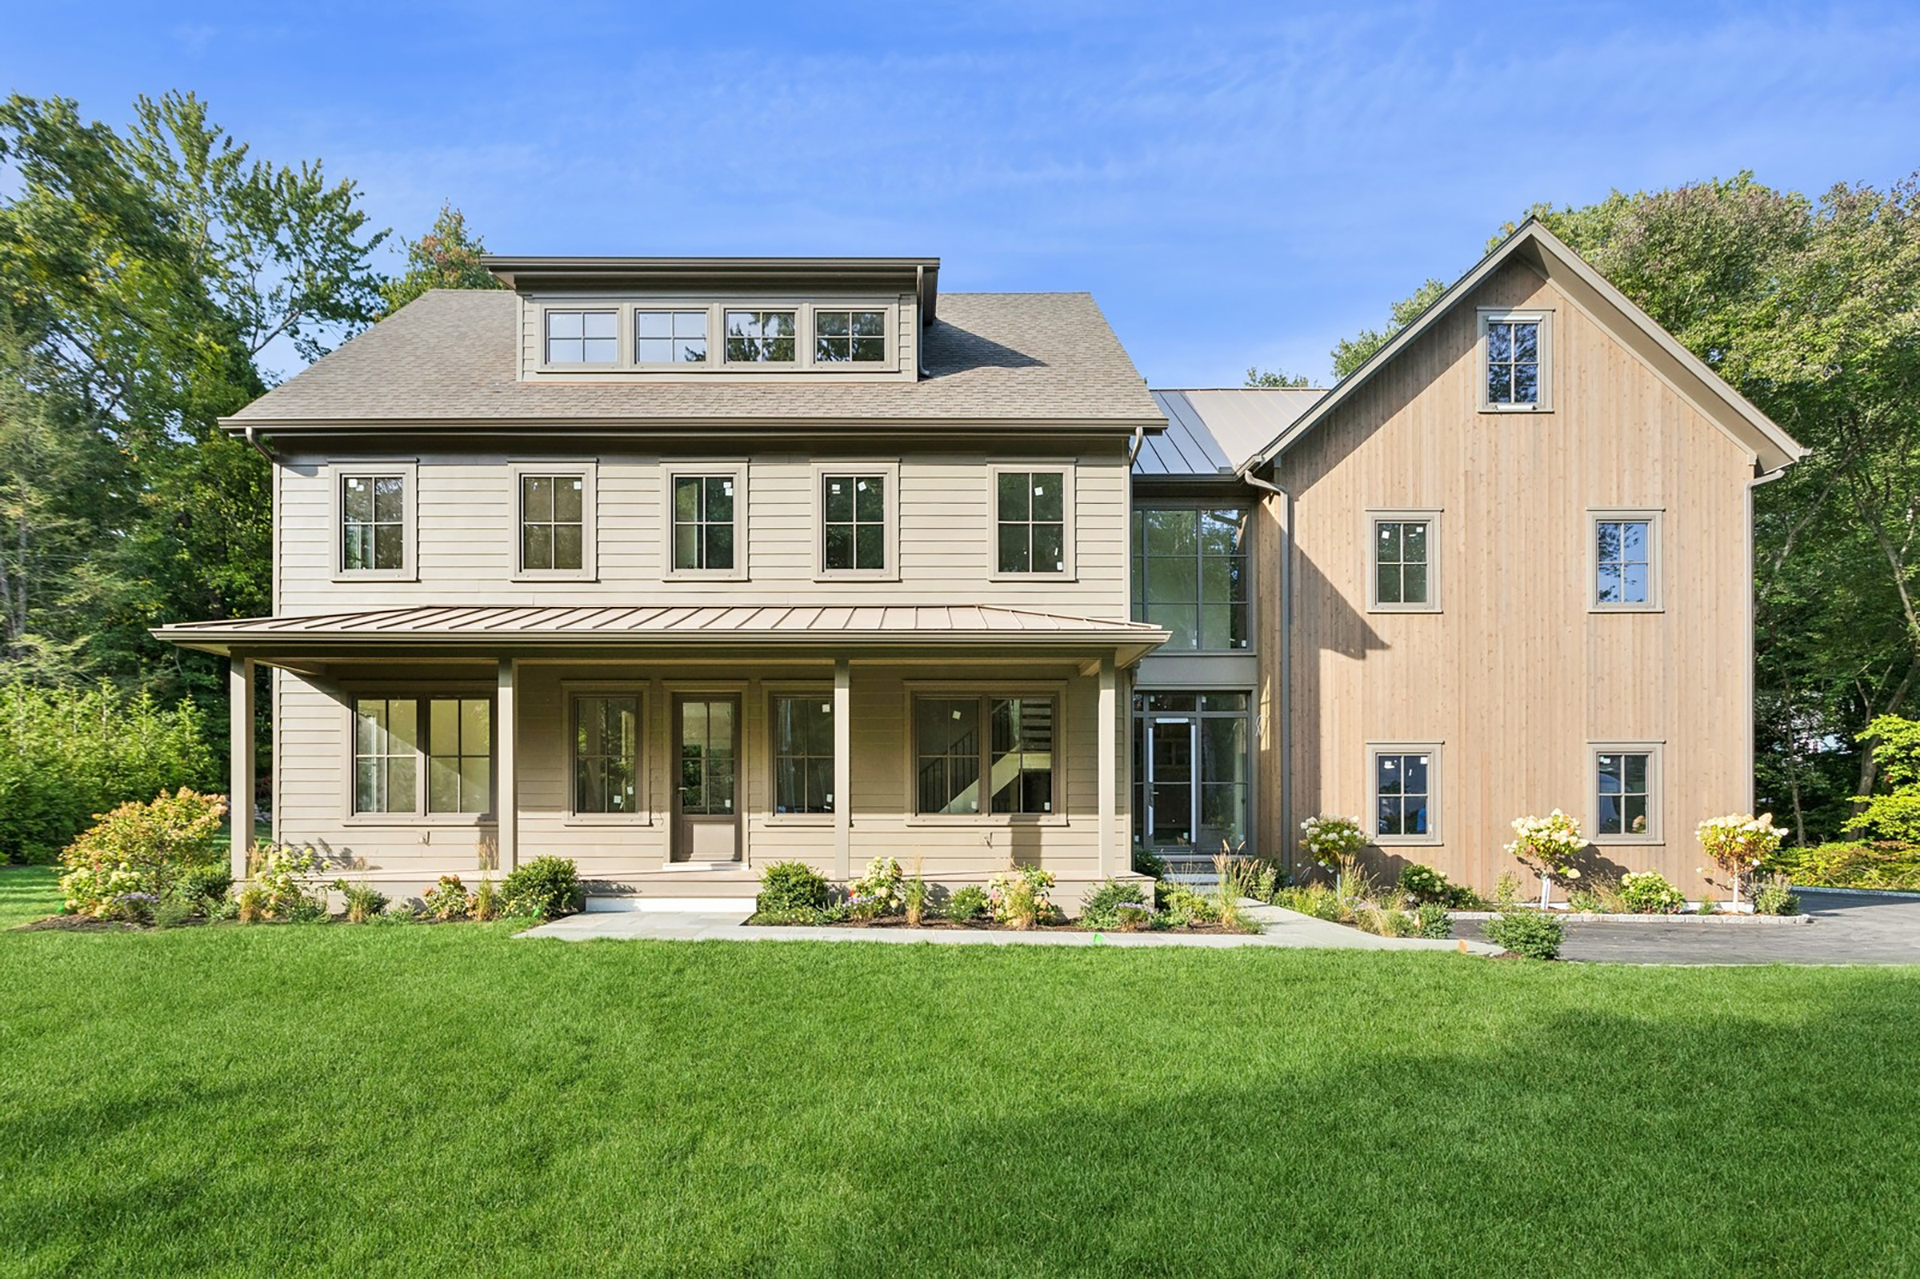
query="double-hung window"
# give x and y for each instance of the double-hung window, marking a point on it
(429, 754)
(1404, 790)
(803, 753)
(760, 337)
(705, 508)
(606, 754)
(583, 337)
(1626, 792)
(553, 529)
(1190, 575)
(1405, 548)
(988, 754)
(1032, 524)
(857, 521)
(373, 509)
(1515, 370)
(1624, 560)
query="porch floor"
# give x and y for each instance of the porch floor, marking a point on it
(1279, 928)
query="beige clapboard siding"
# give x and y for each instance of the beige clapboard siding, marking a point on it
(466, 512)
(314, 765)
(1516, 676)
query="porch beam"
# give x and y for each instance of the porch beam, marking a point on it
(506, 803)
(240, 774)
(1109, 764)
(842, 769)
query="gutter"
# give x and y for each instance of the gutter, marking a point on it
(253, 442)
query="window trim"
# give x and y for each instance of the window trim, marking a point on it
(1250, 508)
(1370, 528)
(643, 814)
(733, 468)
(632, 353)
(1062, 764)
(587, 470)
(890, 470)
(1656, 791)
(888, 332)
(421, 691)
(622, 334)
(1067, 512)
(1656, 555)
(771, 691)
(1436, 782)
(802, 338)
(1540, 315)
(339, 471)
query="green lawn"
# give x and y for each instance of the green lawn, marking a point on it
(415, 1099)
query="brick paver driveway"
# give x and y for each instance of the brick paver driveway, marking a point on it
(1846, 929)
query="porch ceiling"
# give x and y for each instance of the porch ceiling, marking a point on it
(836, 627)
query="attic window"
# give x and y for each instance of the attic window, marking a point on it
(583, 337)
(760, 337)
(842, 336)
(1514, 349)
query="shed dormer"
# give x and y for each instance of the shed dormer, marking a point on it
(606, 319)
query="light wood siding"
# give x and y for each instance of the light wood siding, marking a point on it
(467, 513)
(313, 795)
(1516, 676)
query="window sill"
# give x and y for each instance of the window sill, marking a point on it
(706, 575)
(1405, 608)
(1516, 408)
(1626, 841)
(584, 366)
(607, 821)
(817, 821)
(1626, 608)
(857, 575)
(375, 575)
(1406, 841)
(1048, 578)
(974, 820)
(424, 821)
(568, 575)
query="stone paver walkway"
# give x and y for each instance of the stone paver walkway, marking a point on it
(1282, 928)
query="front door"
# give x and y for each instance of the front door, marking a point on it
(1170, 784)
(706, 810)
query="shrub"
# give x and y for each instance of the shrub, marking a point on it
(1020, 896)
(1739, 842)
(544, 888)
(1181, 907)
(967, 903)
(364, 901)
(877, 891)
(1648, 892)
(1853, 865)
(1535, 936)
(1385, 921)
(1548, 846)
(1101, 909)
(1149, 863)
(1317, 900)
(1773, 895)
(448, 899)
(140, 848)
(68, 754)
(1432, 921)
(1132, 918)
(172, 912)
(251, 908)
(281, 873)
(791, 886)
(204, 885)
(1896, 756)
(1420, 885)
(809, 916)
(1506, 891)
(1332, 840)
(395, 913)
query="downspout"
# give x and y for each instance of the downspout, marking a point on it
(1284, 731)
(256, 446)
(920, 315)
(1139, 441)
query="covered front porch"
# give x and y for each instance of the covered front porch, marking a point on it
(673, 752)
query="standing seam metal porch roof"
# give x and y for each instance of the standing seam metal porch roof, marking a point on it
(576, 623)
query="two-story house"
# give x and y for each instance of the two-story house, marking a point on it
(681, 566)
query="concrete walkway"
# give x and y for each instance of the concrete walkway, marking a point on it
(1282, 928)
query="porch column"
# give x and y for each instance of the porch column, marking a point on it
(506, 802)
(1109, 763)
(240, 779)
(842, 769)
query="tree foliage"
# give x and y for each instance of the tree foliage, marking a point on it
(1350, 353)
(446, 257)
(1276, 378)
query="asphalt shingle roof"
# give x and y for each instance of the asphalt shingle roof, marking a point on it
(451, 356)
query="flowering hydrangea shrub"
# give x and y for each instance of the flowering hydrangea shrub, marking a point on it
(137, 851)
(1738, 842)
(1548, 845)
(1648, 892)
(281, 874)
(1332, 840)
(877, 892)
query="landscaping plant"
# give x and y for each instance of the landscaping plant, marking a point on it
(1333, 842)
(544, 888)
(1548, 846)
(1893, 866)
(1420, 885)
(138, 851)
(448, 899)
(1527, 933)
(878, 890)
(363, 900)
(967, 903)
(1773, 895)
(1739, 842)
(1648, 892)
(1019, 897)
(1103, 905)
(914, 895)
(791, 886)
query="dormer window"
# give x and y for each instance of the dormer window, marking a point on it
(669, 337)
(583, 337)
(849, 336)
(760, 337)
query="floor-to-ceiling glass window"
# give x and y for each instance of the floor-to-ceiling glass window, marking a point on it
(1192, 775)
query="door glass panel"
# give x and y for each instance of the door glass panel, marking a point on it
(707, 751)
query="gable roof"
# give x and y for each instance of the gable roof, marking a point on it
(1707, 391)
(449, 358)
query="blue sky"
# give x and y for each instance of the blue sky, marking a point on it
(1236, 184)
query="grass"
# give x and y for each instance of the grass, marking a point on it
(449, 1100)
